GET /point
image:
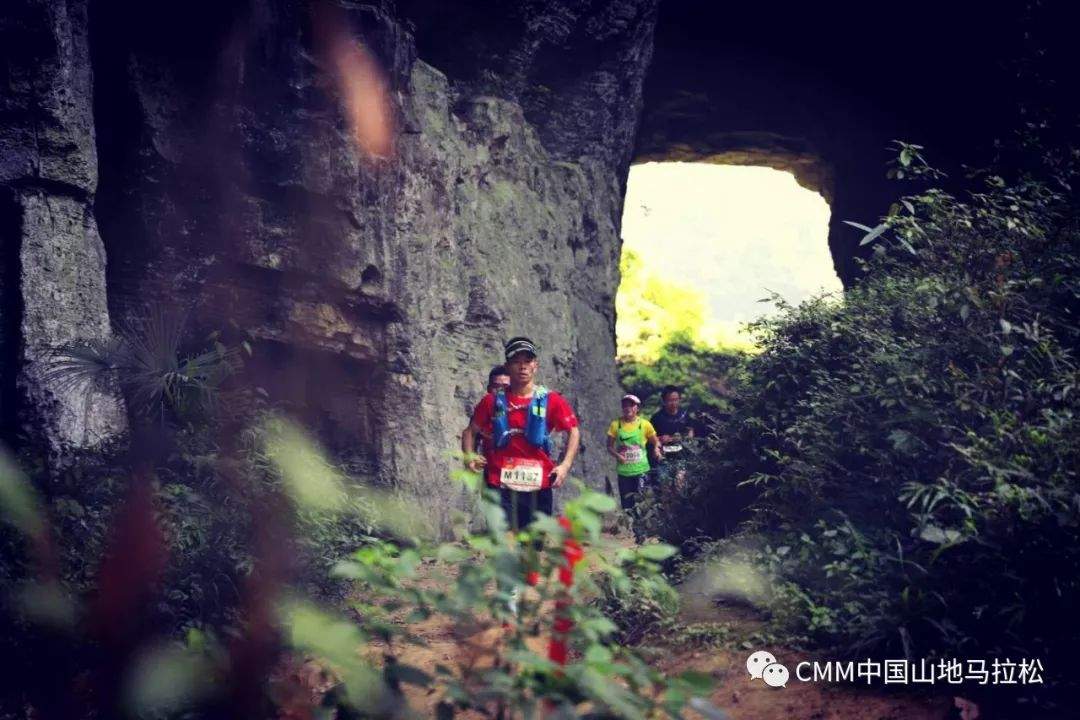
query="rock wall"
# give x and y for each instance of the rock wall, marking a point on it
(823, 91)
(377, 293)
(53, 276)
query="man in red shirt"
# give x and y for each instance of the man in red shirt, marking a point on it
(498, 380)
(524, 472)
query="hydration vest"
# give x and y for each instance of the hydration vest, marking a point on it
(536, 429)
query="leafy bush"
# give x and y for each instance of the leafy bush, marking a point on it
(914, 444)
(127, 661)
(190, 535)
(638, 600)
(553, 603)
(150, 363)
(650, 310)
(705, 503)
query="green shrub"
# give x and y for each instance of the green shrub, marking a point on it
(914, 445)
(228, 526)
(208, 509)
(601, 676)
(640, 602)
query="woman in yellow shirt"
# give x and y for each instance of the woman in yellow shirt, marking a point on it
(628, 438)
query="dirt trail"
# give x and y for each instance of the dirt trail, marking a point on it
(744, 698)
(736, 693)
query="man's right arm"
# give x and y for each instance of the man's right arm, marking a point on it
(481, 415)
(611, 447)
(468, 448)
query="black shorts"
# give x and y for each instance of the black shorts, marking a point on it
(528, 504)
(630, 486)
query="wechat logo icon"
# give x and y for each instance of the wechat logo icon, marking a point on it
(763, 666)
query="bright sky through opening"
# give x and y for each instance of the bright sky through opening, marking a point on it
(731, 233)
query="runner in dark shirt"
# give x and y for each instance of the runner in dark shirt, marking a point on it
(673, 427)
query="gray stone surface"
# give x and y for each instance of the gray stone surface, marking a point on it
(54, 263)
(46, 123)
(378, 293)
(63, 298)
(527, 246)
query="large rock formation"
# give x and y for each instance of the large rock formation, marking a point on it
(822, 90)
(198, 155)
(377, 292)
(53, 278)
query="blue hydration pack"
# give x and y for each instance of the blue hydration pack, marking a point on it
(536, 430)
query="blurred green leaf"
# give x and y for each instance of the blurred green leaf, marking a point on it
(310, 480)
(47, 604)
(337, 641)
(658, 552)
(18, 501)
(167, 679)
(598, 502)
(699, 682)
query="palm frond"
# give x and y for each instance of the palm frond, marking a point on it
(144, 357)
(154, 340)
(200, 376)
(72, 365)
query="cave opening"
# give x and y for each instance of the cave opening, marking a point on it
(705, 243)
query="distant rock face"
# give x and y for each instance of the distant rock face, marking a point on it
(377, 293)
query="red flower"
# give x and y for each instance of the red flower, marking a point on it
(557, 651)
(563, 625)
(573, 552)
(532, 578)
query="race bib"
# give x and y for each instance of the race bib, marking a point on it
(522, 475)
(632, 454)
(672, 448)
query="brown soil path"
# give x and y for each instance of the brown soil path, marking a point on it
(724, 626)
(743, 698)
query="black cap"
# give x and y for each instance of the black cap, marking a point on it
(519, 344)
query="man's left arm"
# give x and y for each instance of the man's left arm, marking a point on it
(564, 419)
(562, 470)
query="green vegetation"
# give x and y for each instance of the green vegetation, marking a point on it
(620, 584)
(661, 326)
(202, 651)
(146, 359)
(190, 577)
(651, 310)
(910, 456)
